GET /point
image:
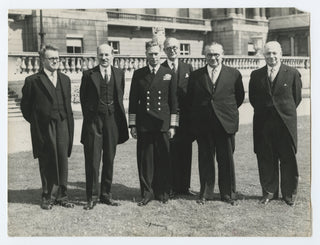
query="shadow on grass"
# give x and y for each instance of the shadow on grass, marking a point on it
(76, 193)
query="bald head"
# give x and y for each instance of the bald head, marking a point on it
(171, 48)
(105, 55)
(272, 53)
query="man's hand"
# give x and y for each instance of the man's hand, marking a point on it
(133, 132)
(171, 132)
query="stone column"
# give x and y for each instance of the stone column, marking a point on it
(292, 45)
(256, 13)
(231, 12)
(263, 13)
(240, 12)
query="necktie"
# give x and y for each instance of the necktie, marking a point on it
(53, 79)
(214, 77)
(153, 73)
(174, 67)
(272, 75)
(106, 77)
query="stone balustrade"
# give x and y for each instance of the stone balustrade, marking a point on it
(22, 64)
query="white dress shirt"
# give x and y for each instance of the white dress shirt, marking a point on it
(105, 70)
(52, 76)
(214, 73)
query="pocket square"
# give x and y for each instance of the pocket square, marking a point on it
(167, 77)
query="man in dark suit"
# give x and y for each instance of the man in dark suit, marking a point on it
(214, 94)
(181, 144)
(46, 105)
(152, 119)
(275, 93)
(104, 124)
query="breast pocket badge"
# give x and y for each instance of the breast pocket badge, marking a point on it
(167, 77)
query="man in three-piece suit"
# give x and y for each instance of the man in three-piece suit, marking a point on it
(104, 124)
(46, 105)
(152, 119)
(181, 144)
(275, 93)
(214, 94)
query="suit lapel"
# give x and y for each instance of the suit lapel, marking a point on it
(280, 78)
(116, 78)
(96, 78)
(265, 80)
(45, 82)
(223, 76)
(63, 84)
(205, 81)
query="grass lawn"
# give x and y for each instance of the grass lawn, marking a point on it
(181, 217)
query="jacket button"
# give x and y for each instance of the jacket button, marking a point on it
(159, 109)
(148, 103)
(148, 97)
(159, 92)
(159, 103)
(159, 98)
(148, 92)
(148, 109)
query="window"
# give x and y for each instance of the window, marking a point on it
(184, 49)
(251, 50)
(116, 46)
(74, 45)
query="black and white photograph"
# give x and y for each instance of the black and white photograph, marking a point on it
(160, 122)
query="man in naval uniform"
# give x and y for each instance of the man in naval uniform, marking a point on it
(152, 119)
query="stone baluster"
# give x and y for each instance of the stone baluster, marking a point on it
(73, 65)
(141, 63)
(36, 65)
(85, 64)
(116, 62)
(136, 64)
(131, 64)
(18, 65)
(126, 64)
(29, 67)
(122, 63)
(61, 65)
(23, 65)
(78, 64)
(90, 63)
(67, 67)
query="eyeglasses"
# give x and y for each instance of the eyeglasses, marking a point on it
(52, 59)
(175, 48)
(216, 55)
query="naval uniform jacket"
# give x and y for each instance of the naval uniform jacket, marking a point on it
(36, 107)
(90, 95)
(284, 96)
(153, 101)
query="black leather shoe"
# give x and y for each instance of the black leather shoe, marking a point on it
(46, 204)
(64, 203)
(229, 200)
(289, 201)
(144, 202)
(164, 198)
(201, 201)
(89, 205)
(109, 202)
(266, 198)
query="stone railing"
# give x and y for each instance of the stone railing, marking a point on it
(22, 64)
(148, 17)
